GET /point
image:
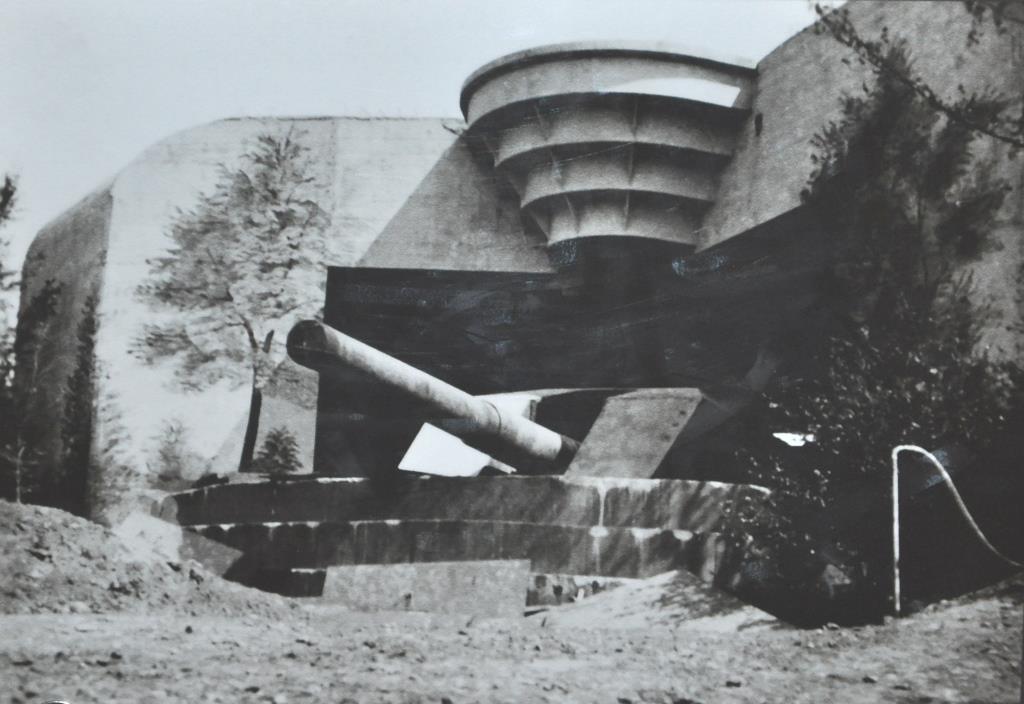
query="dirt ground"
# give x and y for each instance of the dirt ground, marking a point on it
(180, 634)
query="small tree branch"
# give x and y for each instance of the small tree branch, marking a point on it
(838, 24)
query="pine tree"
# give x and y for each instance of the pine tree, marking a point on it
(8, 415)
(115, 485)
(279, 454)
(242, 262)
(27, 471)
(77, 422)
(174, 465)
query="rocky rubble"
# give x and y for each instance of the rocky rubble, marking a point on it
(54, 562)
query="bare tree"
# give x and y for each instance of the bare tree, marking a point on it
(8, 283)
(8, 193)
(242, 262)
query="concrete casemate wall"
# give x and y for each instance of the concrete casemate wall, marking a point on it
(68, 256)
(798, 92)
(367, 169)
(459, 218)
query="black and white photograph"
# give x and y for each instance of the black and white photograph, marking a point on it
(453, 352)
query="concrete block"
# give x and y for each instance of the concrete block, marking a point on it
(633, 433)
(294, 583)
(538, 499)
(676, 504)
(493, 588)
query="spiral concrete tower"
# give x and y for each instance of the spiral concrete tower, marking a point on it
(610, 140)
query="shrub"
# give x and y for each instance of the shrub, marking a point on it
(900, 358)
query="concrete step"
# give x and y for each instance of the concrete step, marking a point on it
(611, 552)
(543, 589)
(608, 502)
(484, 588)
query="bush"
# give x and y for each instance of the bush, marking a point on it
(174, 464)
(900, 359)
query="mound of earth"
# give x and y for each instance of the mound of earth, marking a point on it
(665, 640)
(671, 599)
(54, 562)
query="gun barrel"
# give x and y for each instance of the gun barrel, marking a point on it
(321, 348)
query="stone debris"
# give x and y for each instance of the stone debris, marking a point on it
(54, 562)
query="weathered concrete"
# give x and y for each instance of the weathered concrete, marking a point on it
(70, 253)
(591, 526)
(483, 233)
(543, 589)
(563, 126)
(634, 433)
(555, 589)
(573, 67)
(799, 86)
(98, 252)
(614, 552)
(585, 502)
(799, 89)
(488, 588)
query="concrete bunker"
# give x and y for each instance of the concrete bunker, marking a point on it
(609, 246)
(581, 383)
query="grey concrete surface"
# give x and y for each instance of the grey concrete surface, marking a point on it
(487, 588)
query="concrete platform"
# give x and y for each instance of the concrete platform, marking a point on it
(583, 501)
(613, 552)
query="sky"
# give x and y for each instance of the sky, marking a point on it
(87, 85)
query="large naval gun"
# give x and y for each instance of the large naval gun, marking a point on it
(324, 349)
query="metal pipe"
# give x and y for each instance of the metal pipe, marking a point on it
(321, 348)
(961, 506)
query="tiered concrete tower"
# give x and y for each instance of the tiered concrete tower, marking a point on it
(610, 140)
